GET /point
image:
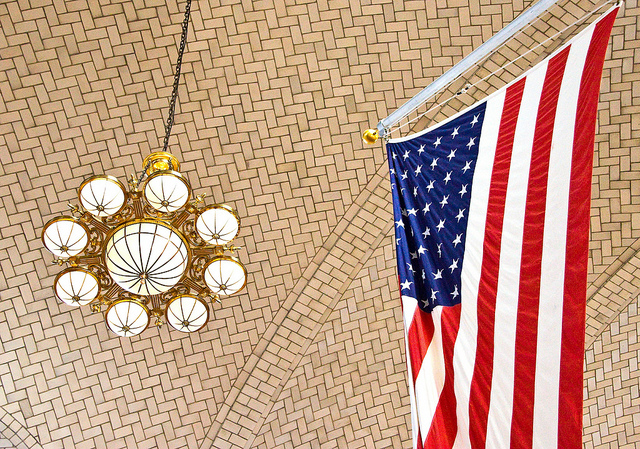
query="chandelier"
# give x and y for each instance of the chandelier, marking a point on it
(152, 251)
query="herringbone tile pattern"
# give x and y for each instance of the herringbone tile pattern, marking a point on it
(272, 103)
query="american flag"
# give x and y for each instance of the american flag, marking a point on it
(491, 213)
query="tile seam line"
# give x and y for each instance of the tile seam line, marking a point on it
(23, 427)
(236, 389)
(605, 277)
(612, 318)
(311, 270)
(309, 341)
(602, 280)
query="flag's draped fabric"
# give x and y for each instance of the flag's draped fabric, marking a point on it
(492, 219)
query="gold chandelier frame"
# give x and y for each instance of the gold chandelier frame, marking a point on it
(205, 258)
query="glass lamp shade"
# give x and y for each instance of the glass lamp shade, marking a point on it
(146, 257)
(167, 190)
(65, 236)
(218, 224)
(127, 317)
(225, 275)
(102, 195)
(76, 286)
(187, 313)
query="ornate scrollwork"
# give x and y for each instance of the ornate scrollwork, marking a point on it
(189, 231)
(103, 276)
(129, 296)
(96, 307)
(125, 214)
(196, 270)
(176, 290)
(95, 242)
(151, 212)
(76, 211)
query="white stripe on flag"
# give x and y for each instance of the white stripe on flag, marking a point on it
(545, 422)
(409, 307)
(501, 405)
(465, 347)
(430, 380)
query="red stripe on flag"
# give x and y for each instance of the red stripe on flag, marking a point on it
(444, 426)
(420, 335)
(575, 280)
(531, 259)
(483, 370)
(419, 442)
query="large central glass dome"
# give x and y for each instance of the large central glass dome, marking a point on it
(146, 257)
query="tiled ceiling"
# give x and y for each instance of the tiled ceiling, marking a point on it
(272, 103)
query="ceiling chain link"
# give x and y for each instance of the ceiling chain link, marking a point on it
(176, 79)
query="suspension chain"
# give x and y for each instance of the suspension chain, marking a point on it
(176, 79)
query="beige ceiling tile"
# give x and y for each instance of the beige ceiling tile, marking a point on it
(272, 103)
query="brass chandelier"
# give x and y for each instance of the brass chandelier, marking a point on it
(152, 251)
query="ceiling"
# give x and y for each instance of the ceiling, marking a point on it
(272, 103)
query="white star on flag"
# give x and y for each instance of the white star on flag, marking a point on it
(472, 142)
(430, 186)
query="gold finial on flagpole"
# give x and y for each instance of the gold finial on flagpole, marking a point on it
(370, 136)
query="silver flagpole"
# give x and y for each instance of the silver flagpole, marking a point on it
(370, 136)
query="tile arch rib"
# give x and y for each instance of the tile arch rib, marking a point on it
(14, 432)
(612, 298)
(301, 317)
(611, 412)
(612, 269)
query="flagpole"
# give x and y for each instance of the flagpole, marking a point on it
(459, 68)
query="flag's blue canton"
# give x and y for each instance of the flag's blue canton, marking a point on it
(431, 179)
